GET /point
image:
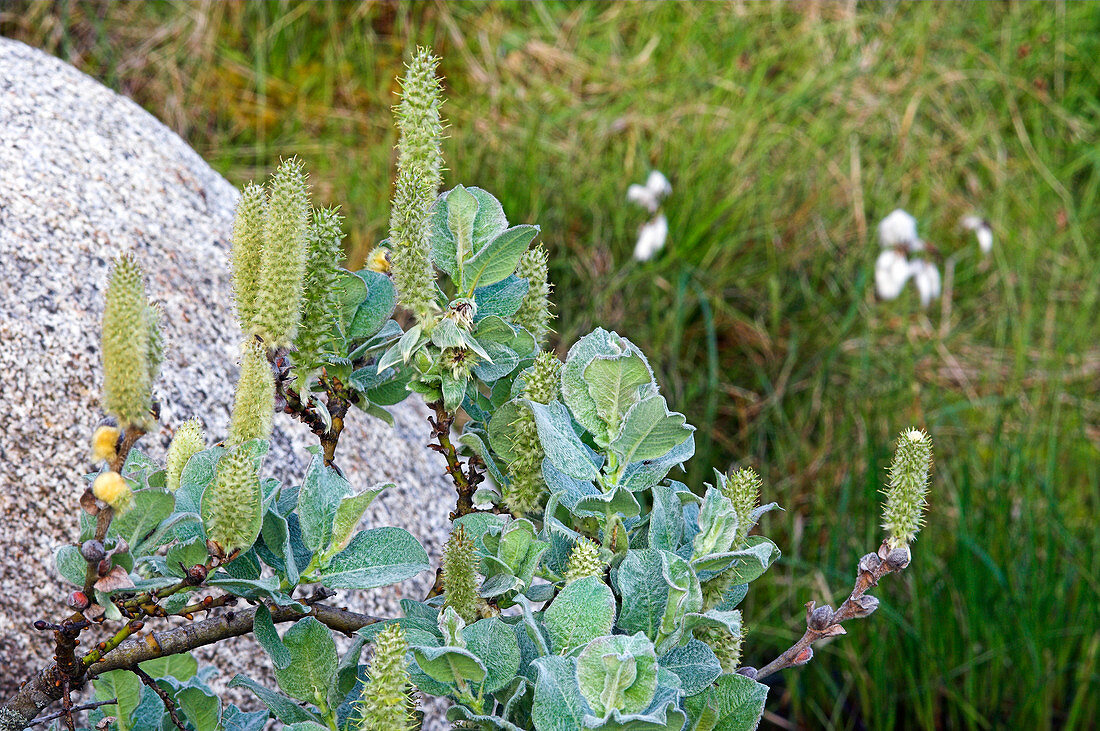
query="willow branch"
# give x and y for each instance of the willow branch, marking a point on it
(822, 622)
(45, 687)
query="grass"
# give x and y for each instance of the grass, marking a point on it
(788, 131)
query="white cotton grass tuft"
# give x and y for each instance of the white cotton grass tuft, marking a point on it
(899, 229)
(653, 234)
(982, 230)
(926, 278)
(891, 273)
(651, 238)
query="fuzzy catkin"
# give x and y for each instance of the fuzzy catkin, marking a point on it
(584, 560)
(128, 372)
(231, 502)
(320, 297)
(188, 441)
(283, 263)
(460, 576)
(726, 646)
(534, 311)
(247, 253)
(254, 404)
(903, 509)
(526, 487)
(385, 703)
(419, 174)
(743, 490)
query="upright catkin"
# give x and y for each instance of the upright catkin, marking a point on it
(129, 367)
(231, 503)
(907, 489)
(247, 253)
(386, 702)
(534, 311)
(188, 441)
(320, 295)
(460, 576)
(283, 263)
(254, 403)
(526, 488)
(419, 175)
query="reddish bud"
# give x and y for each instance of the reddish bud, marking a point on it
(78, 601)
(804, 657)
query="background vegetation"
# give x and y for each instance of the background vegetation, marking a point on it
(788, 131)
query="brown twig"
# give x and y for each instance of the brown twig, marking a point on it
(74, 709)
(45, 688)
(465, 480)
(822, 622)
(166, 699)
(339, 400)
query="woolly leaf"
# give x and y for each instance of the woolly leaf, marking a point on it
(614, 383)
(563, 447)
(650, 431)
(285, 709)
(376, 557)
(494, 643)
(582, 611)
(558, 704)
(618, 673)
(694, 663)
(502, 298)
(311, 673)
(735, 703)
(498, 259)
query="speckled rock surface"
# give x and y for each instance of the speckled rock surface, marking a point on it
(84, 175)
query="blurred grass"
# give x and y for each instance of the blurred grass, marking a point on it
(788, 131)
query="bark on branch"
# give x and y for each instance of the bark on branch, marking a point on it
(46, 686)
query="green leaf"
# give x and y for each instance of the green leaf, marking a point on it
(614, 383)
(376, 307)
(123, 686)
(743, 565)
(150, 507)
(348, 513)
(735, 703)
(376, 557)
(182, 667)
(717, 525)
(618, 673)
(497, 260)
(488, 222)
(318, 500)
(694, 663)
(276, 536)
(72, 566)
(494, 643)
(234, 719)
(666, 519)
(502, 298)
(264, 631)
(573, 386)
(201, 707)
(284, 708)
(449, 664)
(650, 431)
(558, 703)
(582, 611)
(563, 447)
(311, 674)
(643, 590)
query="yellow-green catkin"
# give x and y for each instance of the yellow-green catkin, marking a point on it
(131, 347)
(526, 488)
(320, 296)
(230, 505)
(743, 490)
(419, 174)
(726, 645)
(283, 263)
(903, 509)
(113, 489)
(534, 311)
(248, 244)
(584, 560)
(188, 441)
(386, 702)
(254, 404)
(460, 576)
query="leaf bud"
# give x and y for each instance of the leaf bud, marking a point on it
(748, 672)
(899, 558)
(804, 656)
(821, 617)
(113, 489)
(93, 551)
(866, 605)
(78, 601)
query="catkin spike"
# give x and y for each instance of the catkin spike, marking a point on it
(254, 405)
(386, 702)
(188, 441)
(584, 560)
(526, 487)
(903, 509)
(283, 264)
(743, 490)
(534, 311)
(419, 175)
(126, 333)
(460, 576)
(248, 243)
(320, 298)
(231, 504)
(726, 645)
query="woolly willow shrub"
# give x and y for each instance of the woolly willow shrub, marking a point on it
(584, 586)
